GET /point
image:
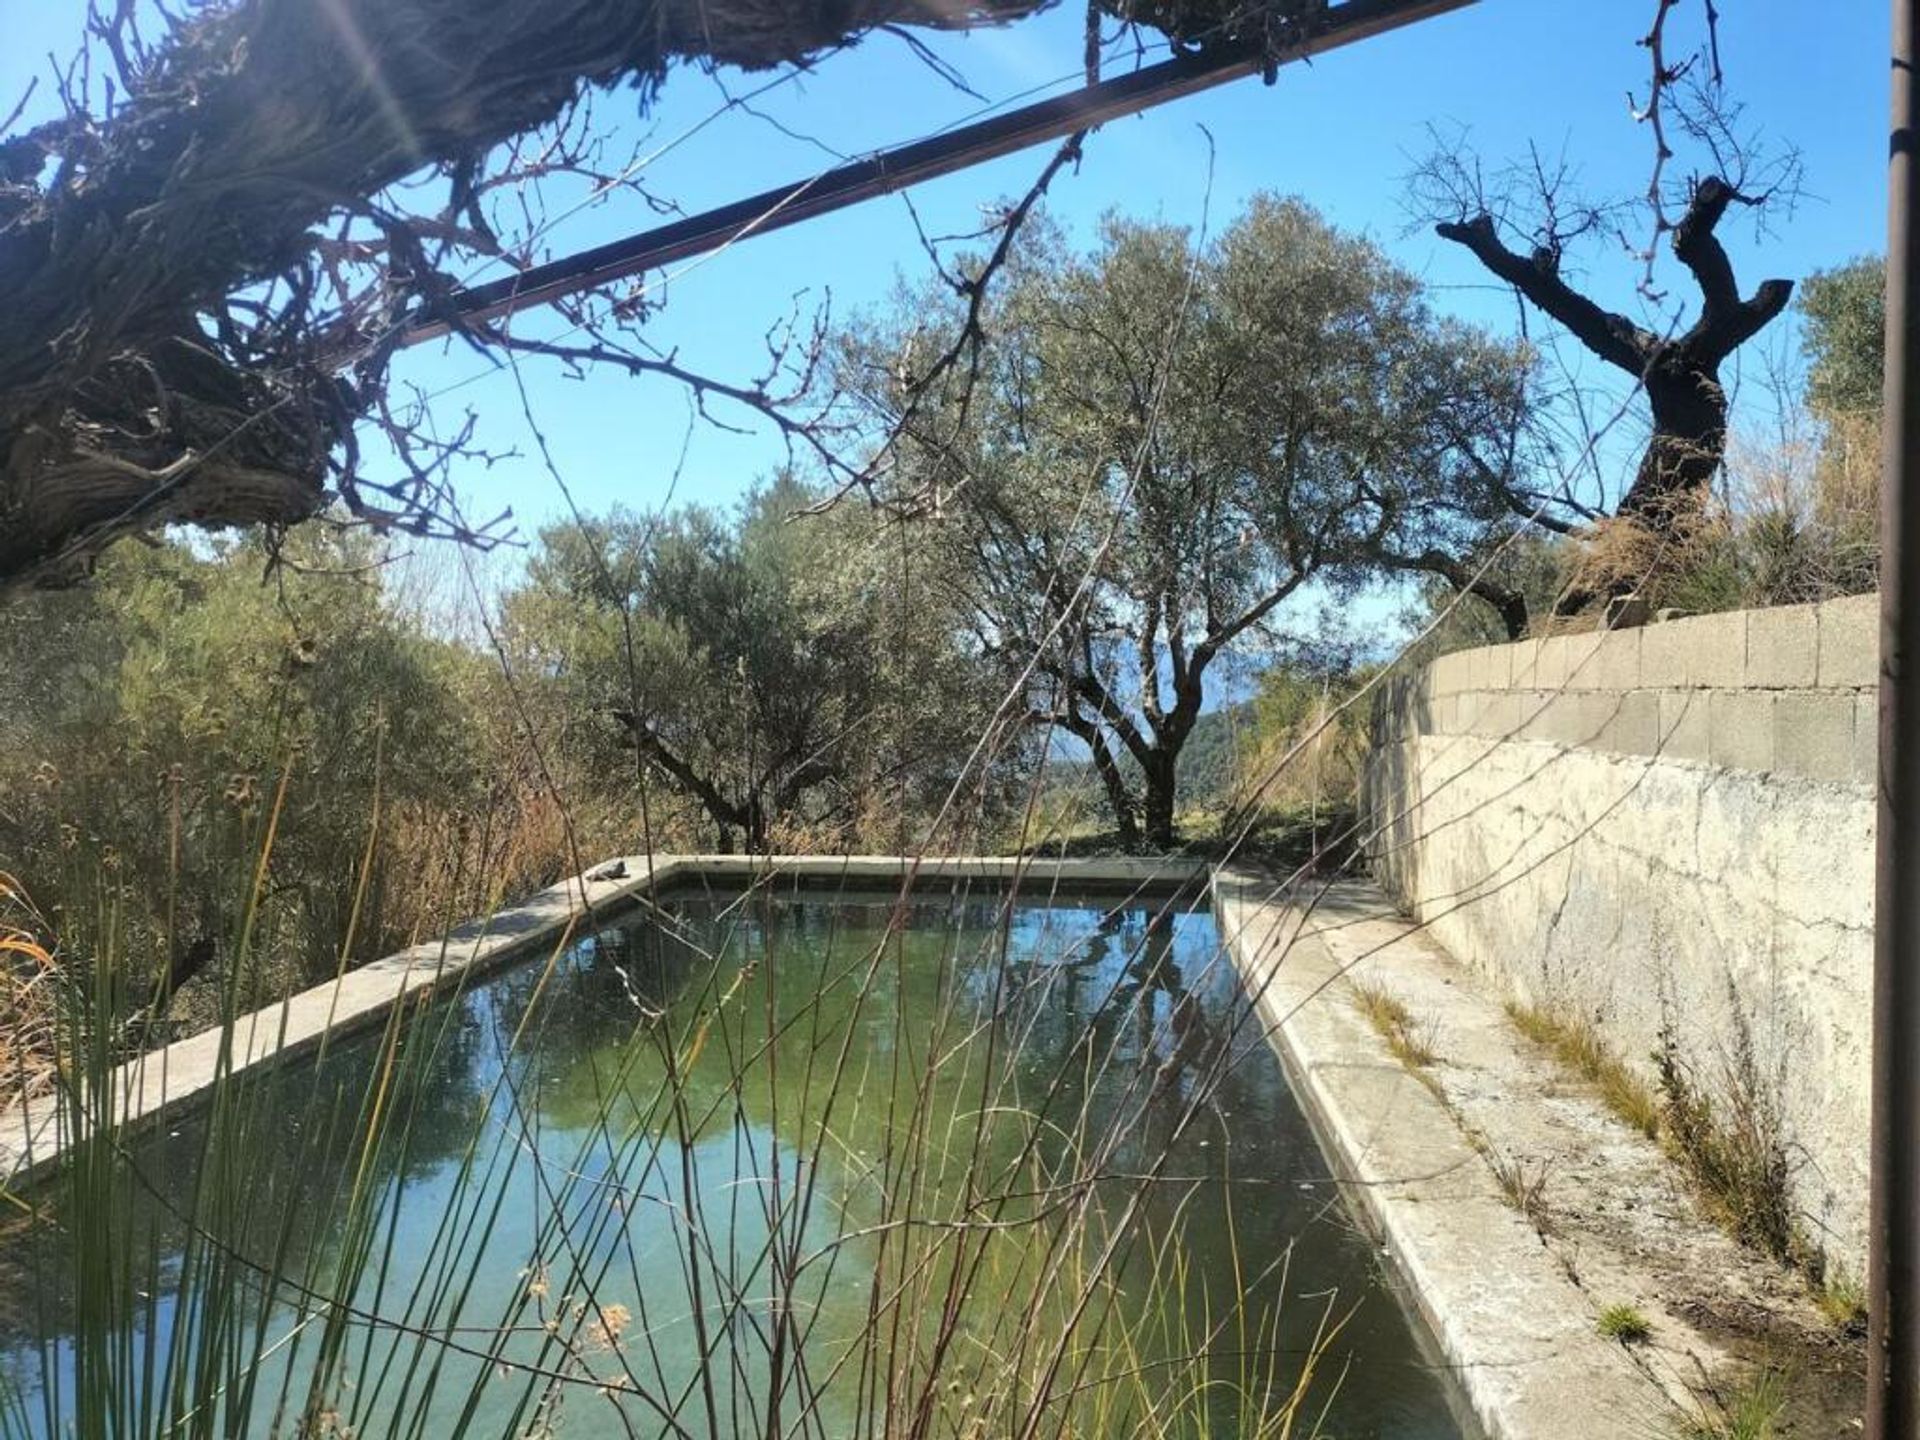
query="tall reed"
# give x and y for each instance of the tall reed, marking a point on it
(754, 1191)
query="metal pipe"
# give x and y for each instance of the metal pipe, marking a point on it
(905, 165)
(1893, 1278)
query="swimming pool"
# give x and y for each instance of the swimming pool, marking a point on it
(786, 1162)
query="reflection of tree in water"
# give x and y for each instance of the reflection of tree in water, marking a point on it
(1119, 996)
(1093, 1032)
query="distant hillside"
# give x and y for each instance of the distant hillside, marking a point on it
(1206, 761)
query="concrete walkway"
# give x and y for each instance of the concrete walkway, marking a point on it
(1515, 1205)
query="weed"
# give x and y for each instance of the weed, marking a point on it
(1843, 1300)
(1624, 1323)
(1747, 1411)
(1733, 1151)
(1523, 1184)
(29, 978)
(1578, 1046)
(1410, 1042)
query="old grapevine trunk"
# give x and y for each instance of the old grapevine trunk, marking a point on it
(141, 381)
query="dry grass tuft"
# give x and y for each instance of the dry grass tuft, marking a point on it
(1523, 1184)
(1748, 1410)
(28, 1009)
(1732, 1146)
(1578, 1046)
(1410, 1042)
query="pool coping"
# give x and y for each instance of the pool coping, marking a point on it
(172, 1079)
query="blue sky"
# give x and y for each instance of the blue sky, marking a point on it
(1341, 132)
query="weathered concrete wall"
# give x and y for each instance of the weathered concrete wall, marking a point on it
(1668, 831)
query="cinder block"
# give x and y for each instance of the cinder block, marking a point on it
(1684, 730)
(1583, 662)
(1532, 717)
(1783, 648)
(1633, 727)
(1850, 642)
(1663, 656)
(1524, 669)
(1616, 665)
(1813, 734)
(1715, 650)
(1866, 737)
(1476, 662)
(1492, 714)
(1552, 662)
(1574, 718)
(1450, 673)
(1496, 671)
(1740, 726)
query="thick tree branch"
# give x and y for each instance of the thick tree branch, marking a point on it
(237, 190)
(1510, 604)
(643, 735)
(1611, 336)
(1726, 321)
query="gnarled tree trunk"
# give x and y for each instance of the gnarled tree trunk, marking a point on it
(142, 383)
(1680, 373)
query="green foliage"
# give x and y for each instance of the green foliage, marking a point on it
(781, 671)
(159, 712)
(1300, 762)
(1843, 327)
(1625, 1323)
(1168, 441)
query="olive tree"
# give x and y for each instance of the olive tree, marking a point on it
(766, 663)
(1167, 440)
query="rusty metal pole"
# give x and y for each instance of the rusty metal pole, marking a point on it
(1893, 1377)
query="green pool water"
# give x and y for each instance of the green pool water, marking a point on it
(774, 1164)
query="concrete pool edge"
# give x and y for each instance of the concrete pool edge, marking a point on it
(1515, 1331)
(175, 1078)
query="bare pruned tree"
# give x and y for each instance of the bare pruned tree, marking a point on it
(1522, 222)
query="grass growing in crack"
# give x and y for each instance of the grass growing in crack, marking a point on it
(1625, 1323)
(1731, 1143)
(1750, 1410)
(1523, 1184)
(1843, 1300)
(1578, 1045)
(1410, 1042)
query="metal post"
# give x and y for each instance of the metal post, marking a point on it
(1893, 1378)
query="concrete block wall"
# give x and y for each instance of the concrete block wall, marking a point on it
(1667, 831)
